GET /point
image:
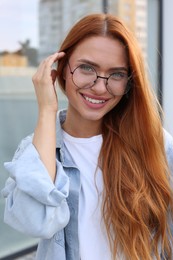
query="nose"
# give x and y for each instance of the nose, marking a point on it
(100, 84)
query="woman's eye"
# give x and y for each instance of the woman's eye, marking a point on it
(118, 75)
(86, 68)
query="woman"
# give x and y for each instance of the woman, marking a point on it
(94, 181)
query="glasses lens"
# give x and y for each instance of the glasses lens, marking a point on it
(117, 83)
(84, 76)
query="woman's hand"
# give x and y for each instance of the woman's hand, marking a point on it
(44, 138)
(44, 83)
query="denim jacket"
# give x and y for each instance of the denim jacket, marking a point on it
(40, 208)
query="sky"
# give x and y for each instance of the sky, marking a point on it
(18, 22)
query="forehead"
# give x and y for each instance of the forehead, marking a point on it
(101, 49)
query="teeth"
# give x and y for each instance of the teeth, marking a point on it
(94, 101)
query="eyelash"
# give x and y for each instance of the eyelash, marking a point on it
(119, 74)
(88, 67)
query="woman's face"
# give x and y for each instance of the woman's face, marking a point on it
(105, 56)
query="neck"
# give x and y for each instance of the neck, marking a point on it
(77, 126)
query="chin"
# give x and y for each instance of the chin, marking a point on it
(93, 116)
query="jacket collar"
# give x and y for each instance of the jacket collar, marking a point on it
(64, 155)
(61, 116)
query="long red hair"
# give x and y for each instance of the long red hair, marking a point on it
(137, 192)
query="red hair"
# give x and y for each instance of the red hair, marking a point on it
(137, 193)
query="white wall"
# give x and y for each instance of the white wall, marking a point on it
(168, 64)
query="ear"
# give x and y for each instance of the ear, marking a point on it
(53, 75)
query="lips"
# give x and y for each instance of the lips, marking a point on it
(93, 100)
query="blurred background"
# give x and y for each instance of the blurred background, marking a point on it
(30, 31)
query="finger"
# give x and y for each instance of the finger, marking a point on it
(60, 55)
(40, 70)
(53, 58)
(47, 66)
(50, 60)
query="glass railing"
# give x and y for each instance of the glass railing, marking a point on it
(18, 115)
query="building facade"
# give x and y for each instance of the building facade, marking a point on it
(134, 15)
(57, 16)
(14, 59)
(55, 19)
(141, 25)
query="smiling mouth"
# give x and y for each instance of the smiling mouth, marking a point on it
(94, 101)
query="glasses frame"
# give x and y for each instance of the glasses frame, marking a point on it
(128, 86)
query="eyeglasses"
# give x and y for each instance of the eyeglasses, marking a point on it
(85, 76)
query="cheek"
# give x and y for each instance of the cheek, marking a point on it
(69, 85)
(70, 88)
(68, 78)
(67, 81)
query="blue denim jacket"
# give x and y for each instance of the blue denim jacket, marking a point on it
(40, 208)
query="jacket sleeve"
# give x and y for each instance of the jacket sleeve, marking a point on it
(169, 152)
(34, 204)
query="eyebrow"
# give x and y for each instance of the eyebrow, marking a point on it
(97, 66)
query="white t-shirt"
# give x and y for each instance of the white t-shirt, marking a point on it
(93, 239)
